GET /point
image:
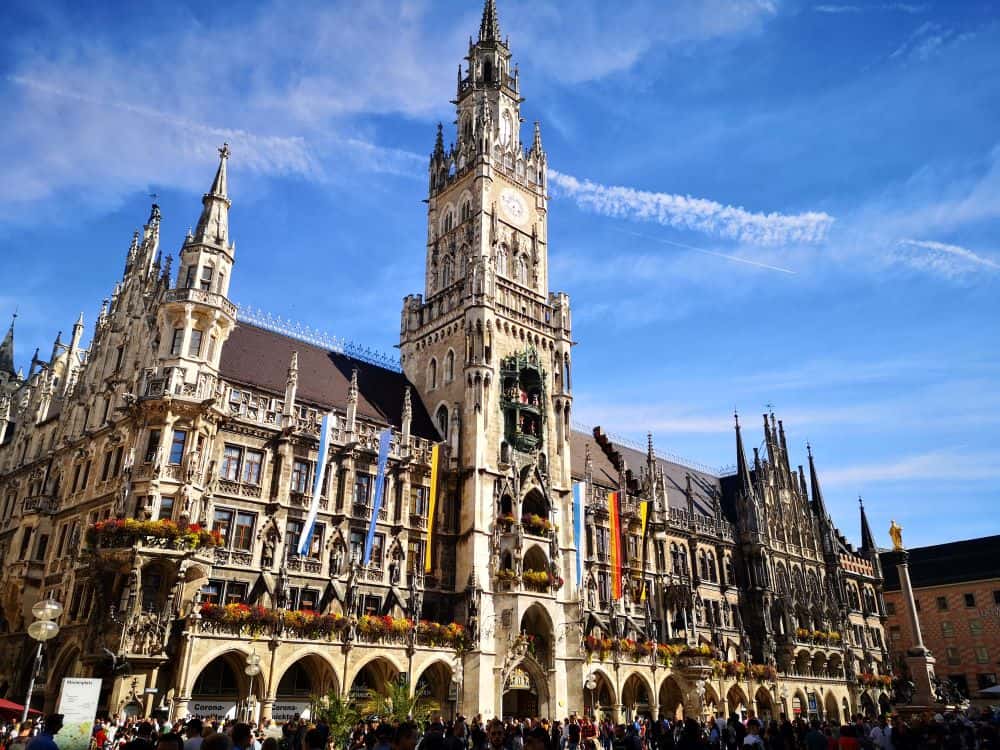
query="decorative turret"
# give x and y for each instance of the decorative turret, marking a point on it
(7, 369)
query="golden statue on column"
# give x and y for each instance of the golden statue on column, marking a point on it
(896, 532)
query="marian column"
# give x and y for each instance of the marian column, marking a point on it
(918, 658)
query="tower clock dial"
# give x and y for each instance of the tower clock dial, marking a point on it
(513, 205)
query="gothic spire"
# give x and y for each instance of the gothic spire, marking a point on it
(213, 226)
(489, 27)
(817, 493)
(7, 351)
(867, 539)
(742, 470)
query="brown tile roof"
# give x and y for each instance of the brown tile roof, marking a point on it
(259, 358)
(704, 485)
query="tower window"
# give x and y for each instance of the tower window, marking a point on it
(449, 367)
(206, 279)
(441, 418)
(189, 279)
(177, 341)
(194, 346)
(432, 374)
(177, 446)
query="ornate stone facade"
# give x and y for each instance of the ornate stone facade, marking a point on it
(736, 589)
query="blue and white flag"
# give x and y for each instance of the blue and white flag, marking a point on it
(325, 430)
(385, 439)
(579, 492)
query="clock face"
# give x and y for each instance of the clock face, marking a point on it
(513, 206)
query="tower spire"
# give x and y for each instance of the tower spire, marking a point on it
(213, 226)
(817, 493)
(489, 27)
(742, 470)
(867, 539)
(7, 351)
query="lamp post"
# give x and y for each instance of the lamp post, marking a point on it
(44, 628)
(591, 685)
(251, 670)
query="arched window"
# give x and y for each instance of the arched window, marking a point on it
(446, 271)
(521, 270)
(449, 366)
(447, 221)
(502, 260)
(432, 374)
(467, 126)
(441, 419)
(466, 210)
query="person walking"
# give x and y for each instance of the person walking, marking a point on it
(44, 740)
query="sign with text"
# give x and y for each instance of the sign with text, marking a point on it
(206, 709)
(282, 711)
(78, 699)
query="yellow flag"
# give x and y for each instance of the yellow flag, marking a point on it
(428, 565)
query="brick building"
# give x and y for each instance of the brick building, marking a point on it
(957, 589)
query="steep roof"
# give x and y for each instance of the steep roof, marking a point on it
(704, 486)
(940, 564)
(259, 358)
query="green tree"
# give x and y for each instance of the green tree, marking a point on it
(397, 705)
(340, 715)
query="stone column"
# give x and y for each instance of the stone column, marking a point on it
(918, 658)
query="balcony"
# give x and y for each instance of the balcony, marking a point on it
(201, 297)
(43, 504)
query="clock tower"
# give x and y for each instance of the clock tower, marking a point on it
(488, 347)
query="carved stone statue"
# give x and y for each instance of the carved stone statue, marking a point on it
(351, 594)
(272, 536)
(192, 462)
(416, 603)
(896, 532)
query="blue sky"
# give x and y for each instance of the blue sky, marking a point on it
(753, 203)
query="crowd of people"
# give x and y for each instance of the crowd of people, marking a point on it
(971, 730)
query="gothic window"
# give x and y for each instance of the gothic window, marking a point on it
(206, 279)
(232, 456)
(467, 127)
(449, 366)
(441, 419)
(432, 374)
(300, 476)
(189, 279)
(466, 210)
(251, 467)
(446, 271)
(521, 270)
(447, 221)
(702, 565)
(713, 574)
(502, 260)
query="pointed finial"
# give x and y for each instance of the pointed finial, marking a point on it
(489, 27)
(861, 502)
(439, 141)
(224, 151)
(79, 320)
(736, 417)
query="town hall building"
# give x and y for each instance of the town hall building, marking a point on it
(156, 481)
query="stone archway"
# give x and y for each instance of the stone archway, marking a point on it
(800, 705)
(434, 683)
(736, 701)
(884, 706)
(525, 694)
(764, 704)
(671, 699)
(867, 705)
(221, 688)
(307, 677)
(536, 625)
(832, 710)
(600, 702)
(712, 702)
(637, 697)
(374, 676)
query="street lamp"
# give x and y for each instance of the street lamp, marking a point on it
(251, 670)
(44, 628)
(591, 685)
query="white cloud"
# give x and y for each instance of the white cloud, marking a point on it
(870, 7)
(939, 258)
(695, 214)
(951, 465)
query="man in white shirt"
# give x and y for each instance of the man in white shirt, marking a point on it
(193, 733)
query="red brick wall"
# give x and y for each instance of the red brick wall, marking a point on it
(961, 618)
